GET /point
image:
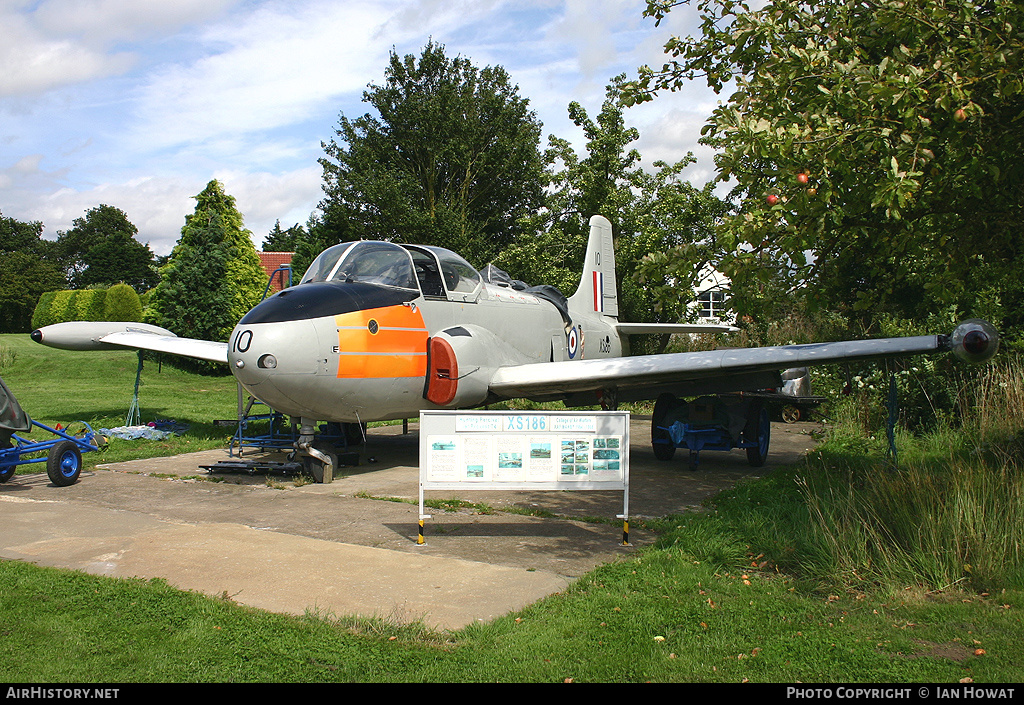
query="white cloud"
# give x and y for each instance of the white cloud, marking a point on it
(58, 43)
(157, 206)
(104, 21)
(591, 29)
(277, 66)
(438, 18)
(264, 198)
(31, 62)
(168, 95)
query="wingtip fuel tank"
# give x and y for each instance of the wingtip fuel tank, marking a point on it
(974, 341)
(88, 335)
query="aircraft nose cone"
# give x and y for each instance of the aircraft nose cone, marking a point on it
(260, 351)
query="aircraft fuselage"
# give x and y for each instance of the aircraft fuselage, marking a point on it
(359, 350)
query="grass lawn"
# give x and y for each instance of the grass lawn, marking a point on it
(662, 617)
(705, 604)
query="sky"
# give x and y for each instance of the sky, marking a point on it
(138, 104)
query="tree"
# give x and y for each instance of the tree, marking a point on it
(882, 137)
(651, 215)
(101, 250)
(452, 160)
(279, 240)
(676, 242)
(213, 276)
(18, 236)
(27, 270)
(23, 278)
(551, 248)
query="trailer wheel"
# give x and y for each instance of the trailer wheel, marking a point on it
(64, 463)
(8, 472)
(791, 414)
(662, 444)
(759, 429)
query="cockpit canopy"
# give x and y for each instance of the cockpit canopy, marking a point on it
(367, 261)
(435, 271)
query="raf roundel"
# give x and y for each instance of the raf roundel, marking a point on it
(573, 342)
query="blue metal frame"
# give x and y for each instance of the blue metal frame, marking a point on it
(285, 268)
(273, 439)
(13, 456)
(698, 437)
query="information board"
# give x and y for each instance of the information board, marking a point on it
(537, 450)
(527, 450)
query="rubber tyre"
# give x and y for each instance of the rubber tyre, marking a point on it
(791, 414)
(759, 428)
(314, 468)
(662, 450)
(8, 472)
(64, 464)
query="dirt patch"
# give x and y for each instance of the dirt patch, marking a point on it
(951, 651)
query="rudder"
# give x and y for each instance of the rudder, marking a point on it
(597, 291)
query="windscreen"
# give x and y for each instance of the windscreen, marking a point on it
(369, 261)
(323, 266)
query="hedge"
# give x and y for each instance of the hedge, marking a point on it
(118, 303)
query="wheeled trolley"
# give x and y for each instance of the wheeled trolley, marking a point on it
(62, 454)
(711, 423)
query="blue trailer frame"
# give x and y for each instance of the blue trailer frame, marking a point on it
(697, 436)
(63, 454)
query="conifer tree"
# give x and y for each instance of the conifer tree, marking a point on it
(213, 276)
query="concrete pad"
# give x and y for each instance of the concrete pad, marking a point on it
(339, 548)
(266, 569)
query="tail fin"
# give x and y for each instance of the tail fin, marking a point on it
(597, 291)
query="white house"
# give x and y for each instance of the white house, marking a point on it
(712, 292)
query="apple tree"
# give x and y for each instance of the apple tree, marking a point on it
(874, 146)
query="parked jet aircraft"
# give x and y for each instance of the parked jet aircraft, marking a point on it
(377, 330)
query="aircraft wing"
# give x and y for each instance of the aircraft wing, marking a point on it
(188, 347)
(102, 335)
(721, 371)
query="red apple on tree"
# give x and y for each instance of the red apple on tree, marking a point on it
(772, 199)
(802, 178)
(960, 115)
